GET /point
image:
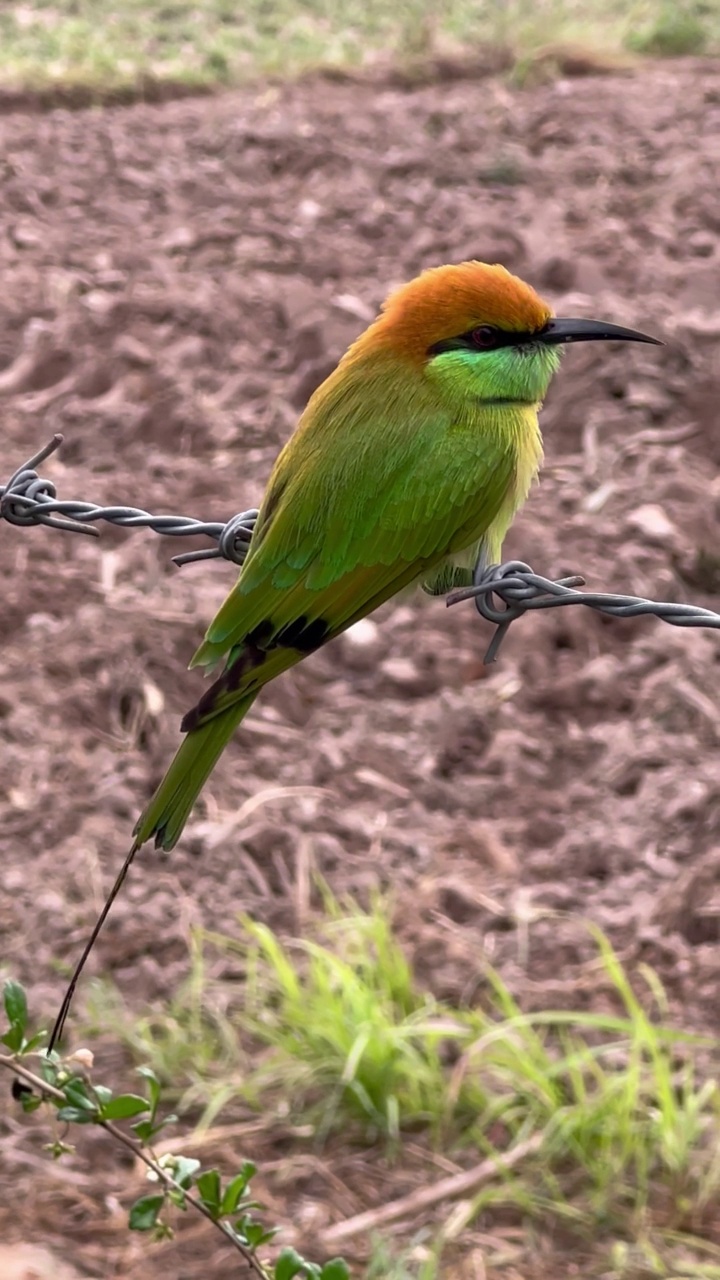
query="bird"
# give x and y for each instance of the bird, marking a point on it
(406, 467)
(408, 464)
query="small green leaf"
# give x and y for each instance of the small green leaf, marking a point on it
(144, 1213)
(34, 1042)
(48, 1069)
(144, 1130)
(124, 1106)
(289, 1264)
(208, 1184)
(237, 1187)
(102, 1094)
(335, 1269)
(147, 1129)
(248, 1231)
(185, 1169)
(148, 1074)
(30, 1102)
(76, 1092)
(15, 1004)
(76, 1115)
(255, 1234)
(154, 1087)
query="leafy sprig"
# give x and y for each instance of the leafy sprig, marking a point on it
(66, 1086)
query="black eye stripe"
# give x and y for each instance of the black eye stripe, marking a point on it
(469, 341)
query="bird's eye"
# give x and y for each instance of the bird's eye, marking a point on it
(485, 337)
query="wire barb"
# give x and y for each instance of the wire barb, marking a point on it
(521, 590)
(27, 499)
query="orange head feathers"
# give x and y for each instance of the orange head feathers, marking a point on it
(471, 333)
(449, 300)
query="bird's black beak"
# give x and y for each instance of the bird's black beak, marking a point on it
(557, 331)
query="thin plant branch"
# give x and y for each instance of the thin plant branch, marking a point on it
(42, 1087)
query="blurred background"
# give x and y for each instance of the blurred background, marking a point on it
(426, 910)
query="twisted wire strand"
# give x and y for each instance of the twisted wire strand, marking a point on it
(28, 500)
(521, 590)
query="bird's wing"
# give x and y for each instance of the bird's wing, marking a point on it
(340, 531)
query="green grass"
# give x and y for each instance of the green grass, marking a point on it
(333, 1033)
(416, 1262)
(675, 30)
(109, 44)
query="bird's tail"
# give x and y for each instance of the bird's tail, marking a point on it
(195, 759)
(166, 814)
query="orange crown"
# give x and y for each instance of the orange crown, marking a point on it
(446, 301)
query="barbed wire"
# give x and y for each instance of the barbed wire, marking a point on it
(28, 500)
(521, 591)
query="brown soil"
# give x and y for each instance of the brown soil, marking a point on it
(176, 279)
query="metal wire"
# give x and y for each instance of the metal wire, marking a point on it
(521, 590)
(28, 500)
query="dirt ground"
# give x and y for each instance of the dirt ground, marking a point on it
(176, 279)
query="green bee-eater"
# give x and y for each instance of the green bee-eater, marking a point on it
(409, 462)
